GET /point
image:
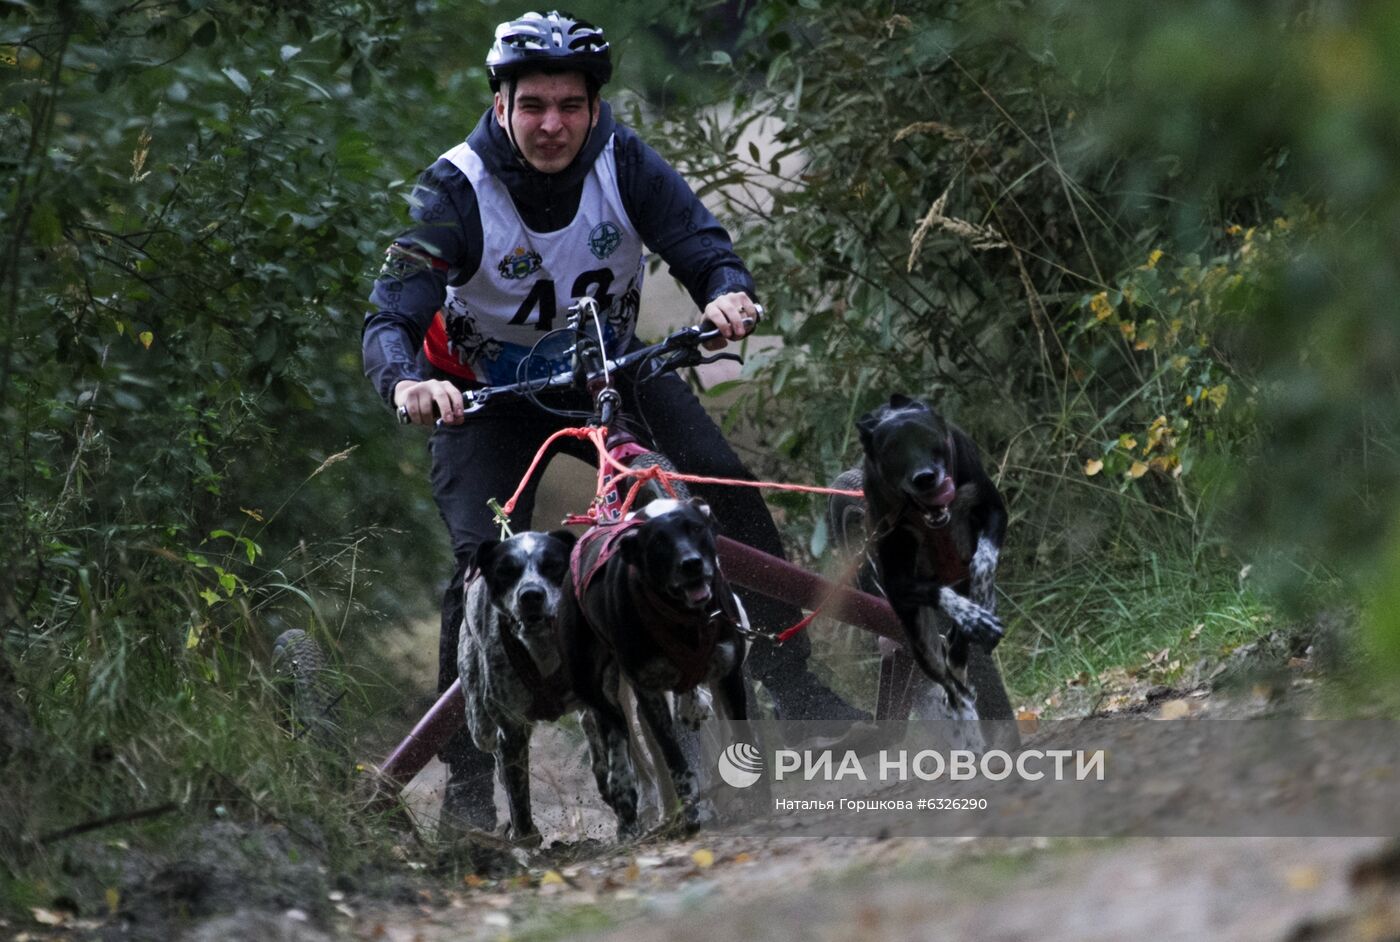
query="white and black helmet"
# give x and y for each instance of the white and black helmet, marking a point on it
(549, 42)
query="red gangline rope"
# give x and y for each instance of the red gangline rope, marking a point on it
(598, 436)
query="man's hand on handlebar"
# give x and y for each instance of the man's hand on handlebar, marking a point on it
(734, 315)
(422, 401)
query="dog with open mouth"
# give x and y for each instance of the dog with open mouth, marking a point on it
(654, 609)
(509, 657)
(933, 523)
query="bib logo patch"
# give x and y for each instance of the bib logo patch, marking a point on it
(519, 264)
(604, 239)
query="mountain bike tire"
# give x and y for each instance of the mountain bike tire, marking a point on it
(652, 489)
(303, 672)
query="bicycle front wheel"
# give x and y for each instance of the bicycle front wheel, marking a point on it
(650, 489)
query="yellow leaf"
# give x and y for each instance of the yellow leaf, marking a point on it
(1128, 329)
(114, 900)
(1092, 467)
(473, 881)
(703, 858)
(1174, 710)
(1100, 306)
(1137, 470)
(1153, 258)
(742, 857)
(192, 637)
(1218, 395)
(632, 872)
(551, 877)
(255, 514)
(121, 328)
(147, 338)
(1158, 435)
(1127, 442)
(1027, 721)
(1180, 362)
(1303, 878)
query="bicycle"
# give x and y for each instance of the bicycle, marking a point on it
(586, 368)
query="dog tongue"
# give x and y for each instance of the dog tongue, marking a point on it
(945, 494)
(697, 595)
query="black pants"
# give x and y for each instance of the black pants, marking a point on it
(487, 455)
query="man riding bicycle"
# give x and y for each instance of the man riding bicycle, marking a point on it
(549, 199)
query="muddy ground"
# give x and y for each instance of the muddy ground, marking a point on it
(243, 882)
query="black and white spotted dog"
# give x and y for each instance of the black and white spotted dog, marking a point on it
(935, 524)
(654, 610)
(509, 657)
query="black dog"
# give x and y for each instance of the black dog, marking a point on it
(936, 523)
(655, 610)
(509, 657)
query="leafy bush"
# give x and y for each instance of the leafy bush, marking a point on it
(1140, 257)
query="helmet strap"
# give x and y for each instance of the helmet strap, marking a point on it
(510, 122)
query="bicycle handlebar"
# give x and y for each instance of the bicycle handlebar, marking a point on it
(685, 342)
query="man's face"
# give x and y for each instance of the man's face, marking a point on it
(551, 120)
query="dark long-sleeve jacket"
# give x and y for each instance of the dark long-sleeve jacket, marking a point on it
(444, 244)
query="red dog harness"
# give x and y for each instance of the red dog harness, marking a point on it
(686, 638)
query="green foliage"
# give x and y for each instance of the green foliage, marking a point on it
(1144, 257)
(906, 194)
(197, 196)
(1259, 111)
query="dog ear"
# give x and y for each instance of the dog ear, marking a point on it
(699, 504)
(483, 553)
(567, 537)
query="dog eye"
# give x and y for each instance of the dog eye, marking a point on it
(508, 570)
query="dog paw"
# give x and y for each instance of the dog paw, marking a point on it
(699, 814)
(974, 623)
(628, 830)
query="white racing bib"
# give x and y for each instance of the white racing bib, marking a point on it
(526, 280)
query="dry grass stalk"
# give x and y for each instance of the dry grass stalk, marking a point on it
(979, 238)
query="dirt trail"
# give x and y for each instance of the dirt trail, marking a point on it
(804, 888)
(723, 886)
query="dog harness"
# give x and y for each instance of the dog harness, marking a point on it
(686, 638)
(593, 550)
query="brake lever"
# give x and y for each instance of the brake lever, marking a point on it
(715, 358)
(472, 401)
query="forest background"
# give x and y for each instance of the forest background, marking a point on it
(1146, 259)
